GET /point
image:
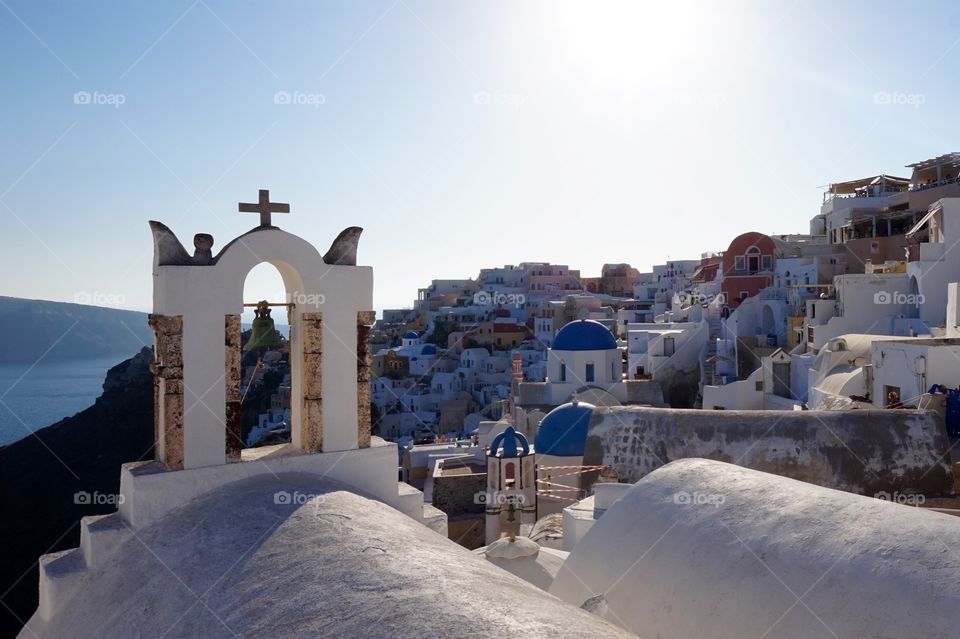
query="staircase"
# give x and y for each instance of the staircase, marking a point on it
(61, 572)
(716, 326)
(709, 364)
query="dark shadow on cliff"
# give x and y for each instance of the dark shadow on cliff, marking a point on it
(41, 475)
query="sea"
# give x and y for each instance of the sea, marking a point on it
(34, 397)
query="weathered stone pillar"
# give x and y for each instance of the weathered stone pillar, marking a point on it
(365, 320)
(232, 379)
(167, 372)
(311, 437)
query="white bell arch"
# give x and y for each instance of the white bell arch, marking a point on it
(205, 292)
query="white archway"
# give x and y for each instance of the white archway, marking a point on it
(327, 300)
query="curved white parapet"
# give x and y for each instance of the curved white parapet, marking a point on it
(701, 548)
(319, 562)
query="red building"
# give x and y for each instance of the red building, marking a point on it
(747, 267)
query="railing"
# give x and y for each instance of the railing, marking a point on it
(773, 294)
(933, 185)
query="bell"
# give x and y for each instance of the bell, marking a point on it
(264, 335)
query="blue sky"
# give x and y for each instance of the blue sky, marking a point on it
(459, 134)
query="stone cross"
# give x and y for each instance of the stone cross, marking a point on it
(264, 207)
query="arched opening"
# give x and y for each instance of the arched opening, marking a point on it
(753, 259)
(768, 321)
(265, 360)
(913, 300)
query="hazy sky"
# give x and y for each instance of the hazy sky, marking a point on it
(458, 134)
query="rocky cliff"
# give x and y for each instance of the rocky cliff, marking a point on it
(48, 481)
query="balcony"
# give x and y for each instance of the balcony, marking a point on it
(928, 252)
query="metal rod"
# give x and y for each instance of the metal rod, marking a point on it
(255, 304)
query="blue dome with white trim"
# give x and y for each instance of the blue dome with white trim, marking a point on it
(510, 439)
(584, 335)
(563, 432)
(411, 335)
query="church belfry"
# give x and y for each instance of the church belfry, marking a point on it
(511, 485)
(197, 301)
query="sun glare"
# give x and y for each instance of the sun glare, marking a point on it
(620, 40)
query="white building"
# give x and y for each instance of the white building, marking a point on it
(933, 261)
(652, 346)
(584, 356)
(871, 303)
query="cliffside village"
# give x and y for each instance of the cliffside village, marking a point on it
(674, 453)
(859, 312)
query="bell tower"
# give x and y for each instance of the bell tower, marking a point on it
(197, 301)
(511, 486)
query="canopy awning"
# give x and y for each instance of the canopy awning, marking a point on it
(949, 159)
(921, 223)
(852, 186)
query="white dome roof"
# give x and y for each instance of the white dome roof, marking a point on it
(329, 563)
(700, 548)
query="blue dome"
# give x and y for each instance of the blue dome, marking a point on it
(563, 432)
(429, 349)
(410, 335)
(509, 438)
(584, 335)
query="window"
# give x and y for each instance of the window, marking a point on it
(589, 372)
(740, 263)
(744, 295)
(891, 397)
(563, 372)
(759, 387)
(781, 379)
(767, 261)
(669, 344)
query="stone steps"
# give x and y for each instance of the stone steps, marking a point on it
(434, 519)
(60, 572)
(410, 501)
(100, 535)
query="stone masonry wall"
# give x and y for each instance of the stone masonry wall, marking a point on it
(868, 452)
(365, 320)
(232, 378)
(167, 372)
(312, 421)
